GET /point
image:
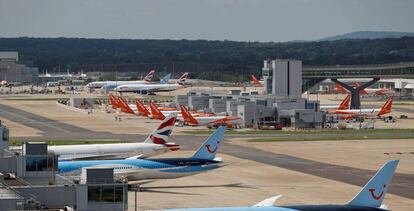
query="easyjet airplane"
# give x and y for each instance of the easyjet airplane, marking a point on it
(382, 91)
(137, 108)
(385, 109)
(365, 91)
(254, 81)
(207, 120)
(343, 106)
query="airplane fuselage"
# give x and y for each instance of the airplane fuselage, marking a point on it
(288, 208)
(67, 152)
(138, 169)
(148, 87)
(358, 111)
(100, 84)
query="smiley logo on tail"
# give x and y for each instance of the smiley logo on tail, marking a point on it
(211, 151)
(374, 196)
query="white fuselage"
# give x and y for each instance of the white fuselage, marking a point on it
(100, 84)
(327, 107)
(147, 87)
(97, 150)
(359, 111)
(202, 120)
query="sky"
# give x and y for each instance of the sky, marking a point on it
(239, 20)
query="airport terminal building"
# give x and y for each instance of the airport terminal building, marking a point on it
(16, 72)
(281, 105)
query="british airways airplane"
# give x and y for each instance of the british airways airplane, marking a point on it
(204, 159)
(156, 143)
(368, 199)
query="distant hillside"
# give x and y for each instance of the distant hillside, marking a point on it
(369, 35)
(209, 60)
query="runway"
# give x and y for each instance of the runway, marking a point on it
(55, 130)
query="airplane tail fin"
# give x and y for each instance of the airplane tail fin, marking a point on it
(373, 193)
(141, 108)
(187, 116)
(124, 106)
(181, 80)
(386, 108)
(149, 76)
(209, 148)
(163, 132)
(340, 89)
(254, 80)
(165, 79)
(114, 102)
(156, 113)
(345, 103)
(363, 91)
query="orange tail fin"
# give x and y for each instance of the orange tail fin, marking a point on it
(156, 113)
(124, 106)
(141, 108)
(362, 91)
(340, 89)
(114, 102)
(187, 116)
(254, 80)
(386, 108)
(345, 103)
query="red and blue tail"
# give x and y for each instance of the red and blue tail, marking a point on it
(163, 132)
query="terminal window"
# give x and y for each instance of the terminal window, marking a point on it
(40, 164)
(105, 194)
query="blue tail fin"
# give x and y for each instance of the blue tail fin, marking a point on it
(209, 148)
(166, 78)
(374, 191)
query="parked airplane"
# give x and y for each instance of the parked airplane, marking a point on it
(256, 82)
(382, 91)
(385, 109)
(100, 84)
(161, 112)
(156, 143)
(370, 198)
(4, 83)
(343, 106)
(207, 120)
(365, 91)
(152, 88)
(111, 87)
(161, 168)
